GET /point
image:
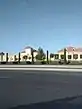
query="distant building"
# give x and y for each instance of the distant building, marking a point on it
(27, 51)
(72, 53)
(25, 55)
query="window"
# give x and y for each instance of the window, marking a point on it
(81, 56)
(56, 56)
(51, 55)
(29, 57)
(25, 57)
(75, 56)
(11, 58)
(69, 56)
(62, 56)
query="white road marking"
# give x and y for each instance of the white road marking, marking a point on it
(40, 66)
(44, 69)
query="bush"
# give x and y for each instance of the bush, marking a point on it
(61, 62)
(3, 62)
(68, 62)
(15, 62)
(28, 62)
(43, 62)
(54, 63)
(37, 63)
(75, 63)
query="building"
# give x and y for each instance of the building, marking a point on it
(25, 55)
(72, 54)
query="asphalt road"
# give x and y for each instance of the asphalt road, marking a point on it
(25, 87)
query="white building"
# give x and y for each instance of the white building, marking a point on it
(25, 55)
(72, 53)
(27, 52)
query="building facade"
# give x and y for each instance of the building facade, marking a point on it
(72, 54)
(25, 55)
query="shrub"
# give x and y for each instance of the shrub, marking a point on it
(15, 62)
(43, 62)
(54, 63)
(28, 62)
(3, 62)
(61, 62)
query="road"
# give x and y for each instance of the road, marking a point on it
(19, 87)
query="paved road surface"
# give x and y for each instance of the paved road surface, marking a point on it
(24, 87)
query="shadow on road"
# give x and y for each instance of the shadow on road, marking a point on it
(66, 103)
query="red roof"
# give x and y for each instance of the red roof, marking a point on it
(71, 49)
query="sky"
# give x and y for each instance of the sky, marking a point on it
(50, 24)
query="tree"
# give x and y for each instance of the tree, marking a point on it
(7, 57)
(19, 57)
(65, 56)
(41, 54)
(47, 57)
(32, 54)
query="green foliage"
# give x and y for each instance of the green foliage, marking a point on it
(41, 55)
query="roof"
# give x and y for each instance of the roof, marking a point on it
(71, 49)
(2, 53)
(22, 51)
(29, 47)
